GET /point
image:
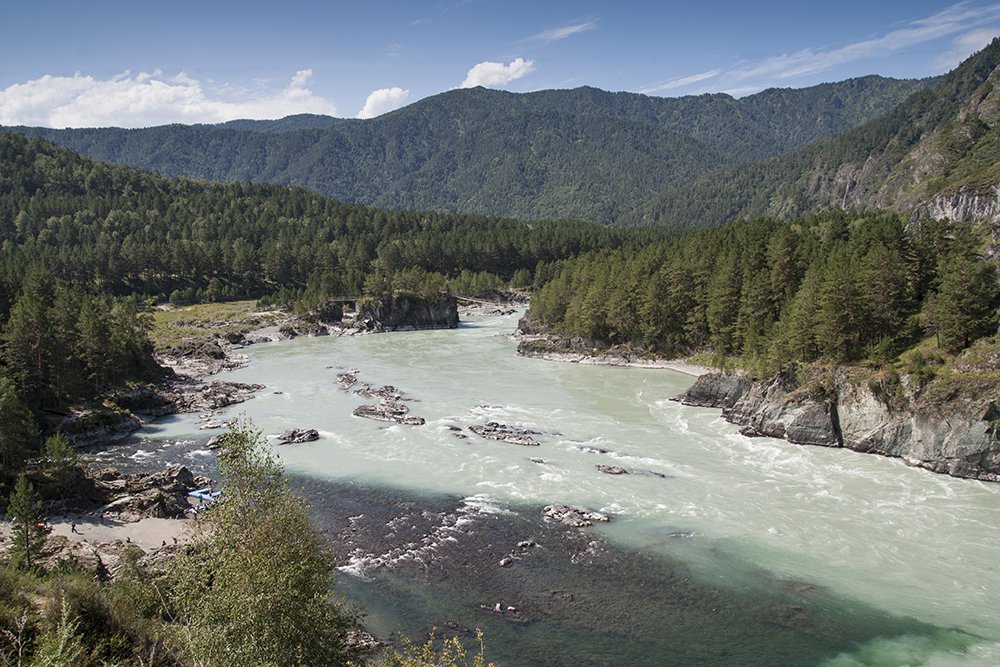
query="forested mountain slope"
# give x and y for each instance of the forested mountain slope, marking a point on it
(583, 153)
(936, 154)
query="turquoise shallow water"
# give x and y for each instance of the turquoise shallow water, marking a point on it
(902, 556)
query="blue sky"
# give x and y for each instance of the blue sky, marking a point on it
(106, 62)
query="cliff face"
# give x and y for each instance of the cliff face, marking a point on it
(407, 312)
(958, 437)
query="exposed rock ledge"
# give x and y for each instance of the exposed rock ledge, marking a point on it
(959, 439)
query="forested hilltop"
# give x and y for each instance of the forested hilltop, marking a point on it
(584, 153)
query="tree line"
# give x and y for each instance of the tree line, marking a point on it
(831, 286)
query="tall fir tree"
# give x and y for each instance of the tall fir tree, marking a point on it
(27, 516)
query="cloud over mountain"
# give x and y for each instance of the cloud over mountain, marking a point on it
(146, 99)
(490, 73)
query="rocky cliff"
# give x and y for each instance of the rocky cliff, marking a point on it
(957, 435)
(401, 312)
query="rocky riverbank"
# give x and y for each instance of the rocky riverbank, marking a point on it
(953, 434)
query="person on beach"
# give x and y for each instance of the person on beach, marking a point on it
(72, 528)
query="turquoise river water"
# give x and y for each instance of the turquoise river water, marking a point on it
(885, 564)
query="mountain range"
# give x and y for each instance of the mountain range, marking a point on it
(582, 153)
(929, 146)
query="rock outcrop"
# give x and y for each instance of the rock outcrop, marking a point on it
(716, 390)
(198, 397)
(402, 312)
(958, 436)
(132, 497)
(91, 427)
(781, 408)
(387, 411)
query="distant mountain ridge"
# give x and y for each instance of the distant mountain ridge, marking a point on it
(936, 154)
(583, 153)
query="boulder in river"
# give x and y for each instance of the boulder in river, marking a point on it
(612, 470)
(347, 380)
(573, 516)
(388, 412)
(295, 435)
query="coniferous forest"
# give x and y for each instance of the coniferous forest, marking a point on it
(832, 286)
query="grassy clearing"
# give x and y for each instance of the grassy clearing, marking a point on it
(177, 325)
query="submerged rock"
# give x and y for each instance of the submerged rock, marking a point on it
(612, 470)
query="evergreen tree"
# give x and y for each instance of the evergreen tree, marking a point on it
(18, 433)
(964, 307)
(724, 290)
(60, 459)
(26, 336)
(27, 515)
(838, 326)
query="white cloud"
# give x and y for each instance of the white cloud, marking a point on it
(681, 82)
(145, 99)
(964, 46)
(382, 101)
(555, 34)
(954, 19)
(963, 19)
(496, 74)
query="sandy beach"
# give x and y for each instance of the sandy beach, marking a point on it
(149, 533)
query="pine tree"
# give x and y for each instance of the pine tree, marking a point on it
(27, 516)
(964, 307)
(838, 326)
(60, 459)
(26, 337)
(18, 434)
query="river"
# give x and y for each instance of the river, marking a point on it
(722, 549)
